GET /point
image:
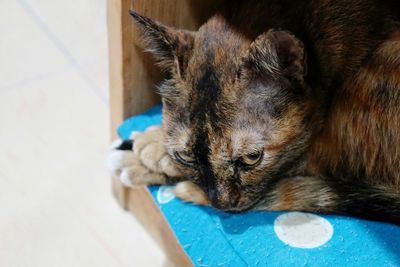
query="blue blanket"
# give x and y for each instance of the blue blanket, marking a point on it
(214, 238)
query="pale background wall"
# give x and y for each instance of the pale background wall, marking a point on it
(56, 207)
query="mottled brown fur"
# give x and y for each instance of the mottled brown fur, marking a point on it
(320, 99)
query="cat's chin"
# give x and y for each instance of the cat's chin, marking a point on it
(241, 208)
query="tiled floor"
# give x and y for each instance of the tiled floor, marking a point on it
(56, 207)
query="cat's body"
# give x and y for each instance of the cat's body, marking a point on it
(260, 118)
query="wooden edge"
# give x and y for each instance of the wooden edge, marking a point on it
(141, 203)
(116, 84)
(120, 192)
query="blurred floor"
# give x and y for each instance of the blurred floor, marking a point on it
(56, 207)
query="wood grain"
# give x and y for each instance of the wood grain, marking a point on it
(133, 77)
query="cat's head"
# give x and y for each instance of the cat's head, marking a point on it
(236, 112)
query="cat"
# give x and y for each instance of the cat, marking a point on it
(276, 106)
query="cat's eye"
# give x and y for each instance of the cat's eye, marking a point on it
(184, 158)
(251, 159)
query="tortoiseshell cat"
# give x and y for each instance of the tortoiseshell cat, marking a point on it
(256, 117)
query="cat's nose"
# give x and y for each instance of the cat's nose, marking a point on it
(222, 201)
(213, 196)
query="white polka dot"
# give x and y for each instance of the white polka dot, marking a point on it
(303, 230)
(165, 194)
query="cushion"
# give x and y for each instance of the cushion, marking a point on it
(215, 238)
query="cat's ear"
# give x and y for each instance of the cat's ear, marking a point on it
(277, 53)
(170, 46)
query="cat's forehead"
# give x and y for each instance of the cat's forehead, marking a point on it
(216, 54)
(211, 77)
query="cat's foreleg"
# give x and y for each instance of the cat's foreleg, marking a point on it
(300, 194)
(315, 194)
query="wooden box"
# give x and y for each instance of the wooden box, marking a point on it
(133, 77)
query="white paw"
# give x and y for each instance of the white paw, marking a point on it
(119, 159)
(116, 143)
(142, 160)
(124, 163)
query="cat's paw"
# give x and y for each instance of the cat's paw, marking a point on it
(189, 192)
(150, 149)
(142, 160)
(125, 164)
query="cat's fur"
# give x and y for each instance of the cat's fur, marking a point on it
(320, 98)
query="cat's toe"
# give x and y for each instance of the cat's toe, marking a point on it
(151, 156)
(119, 159)
(141, 161)
(189, 192)
(138, 175)
(152, 135)
(126, 178)
(168, 167)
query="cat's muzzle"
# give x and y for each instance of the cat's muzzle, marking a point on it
(222, 202)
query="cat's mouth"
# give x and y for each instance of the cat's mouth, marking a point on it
(244, 206)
